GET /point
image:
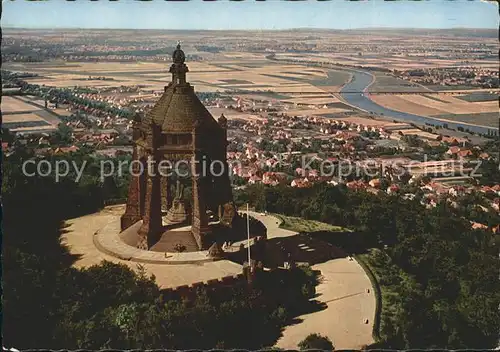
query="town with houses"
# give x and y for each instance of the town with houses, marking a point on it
(272, 142)
(352, 199)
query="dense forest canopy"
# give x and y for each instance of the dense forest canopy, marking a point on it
(49, 304)
(443, 273)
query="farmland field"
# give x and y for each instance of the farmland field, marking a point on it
(18, 125)
(334, 79)
(252, 74)
(19, 114)
(446, 103)
(436, 87)
(445, 107)
(225, 75)
(398, 103)
(234, 115)
(21, 118)
(479, 97)
(236, 81)
(384, 83)
(325, 100)
(316, 112)
(12, 105)
(490, 119)
(428, 96)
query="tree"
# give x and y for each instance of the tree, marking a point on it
(316, 342)
(490, 172)
(7, 136)
(384, 183)
(63, 135)
(109, 306)
(451, 305)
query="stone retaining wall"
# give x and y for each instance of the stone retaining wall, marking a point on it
(189, 291)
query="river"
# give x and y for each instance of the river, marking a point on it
(354, 93)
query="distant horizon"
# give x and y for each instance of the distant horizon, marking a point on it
(255, 30)
(250, 15)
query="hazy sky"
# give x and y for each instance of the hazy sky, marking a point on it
(249, 14)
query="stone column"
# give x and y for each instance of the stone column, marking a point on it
(150, 231)
(199, 225)
(166, 200)
(224, 184)
(133, 211)
(142, 184)
(226, 196)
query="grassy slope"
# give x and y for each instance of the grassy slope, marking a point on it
(301, 225)
(363, 260)
(385, 279)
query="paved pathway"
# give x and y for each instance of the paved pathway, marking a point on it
(272, 224)
(79, 239)
(343, 290)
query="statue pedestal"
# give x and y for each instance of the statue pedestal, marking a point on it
(177, 213)
(127, 220)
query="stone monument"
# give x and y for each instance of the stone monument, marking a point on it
(178, 127)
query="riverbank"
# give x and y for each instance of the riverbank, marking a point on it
(353, 94)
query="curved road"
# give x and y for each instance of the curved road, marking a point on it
(343, 289)
(354, 93)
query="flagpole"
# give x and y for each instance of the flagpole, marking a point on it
(248, 234)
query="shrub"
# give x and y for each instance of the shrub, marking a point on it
(280, 316)
(316, 342)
